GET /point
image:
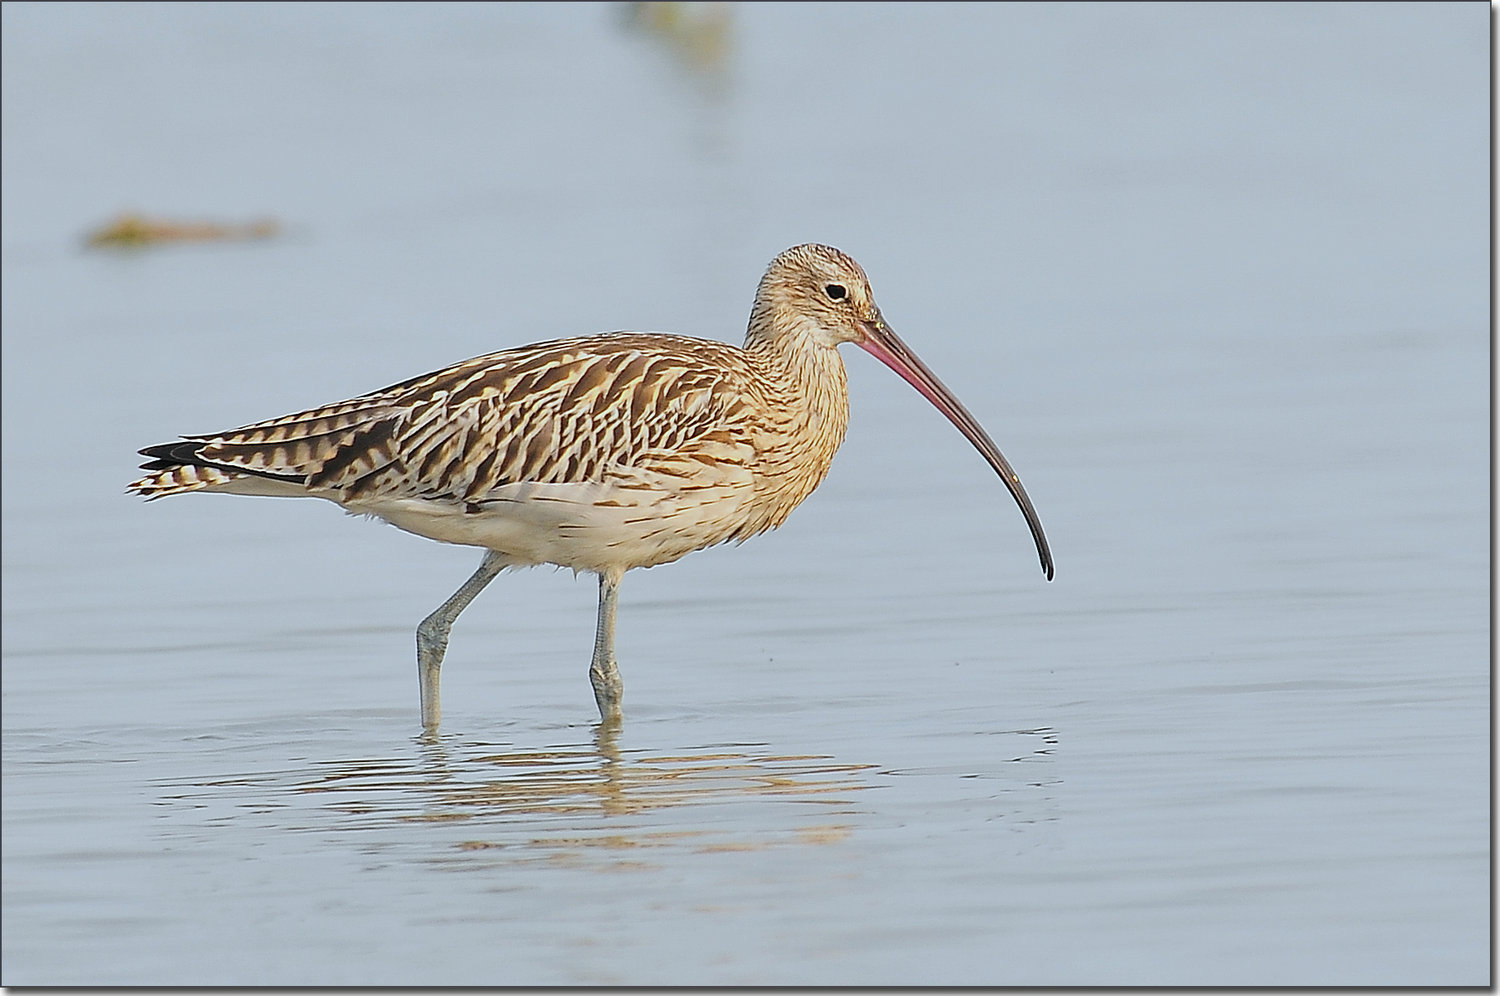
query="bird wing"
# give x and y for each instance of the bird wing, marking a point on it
(571, 411)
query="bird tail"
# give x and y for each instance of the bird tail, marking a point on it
(333, 450)
(176, 469)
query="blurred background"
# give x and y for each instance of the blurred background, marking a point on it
(1214, 276)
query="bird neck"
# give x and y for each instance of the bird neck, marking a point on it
(806, 412)
(806, 375)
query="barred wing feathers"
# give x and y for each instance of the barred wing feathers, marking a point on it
(592, 410)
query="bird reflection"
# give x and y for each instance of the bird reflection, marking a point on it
(590, 794)
(459, 804)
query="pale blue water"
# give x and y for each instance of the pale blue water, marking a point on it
(1214, 277)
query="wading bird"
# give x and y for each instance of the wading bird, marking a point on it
(599, 453)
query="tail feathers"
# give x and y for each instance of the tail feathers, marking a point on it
(175, 479)
(168, 455)
(323, 452)
(177, 468)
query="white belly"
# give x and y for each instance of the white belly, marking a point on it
(588, 527)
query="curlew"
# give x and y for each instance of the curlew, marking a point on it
(598, 453)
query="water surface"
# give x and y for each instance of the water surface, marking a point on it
(1214, 277)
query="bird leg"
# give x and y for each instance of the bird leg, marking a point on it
(432, 636)
(604, 672)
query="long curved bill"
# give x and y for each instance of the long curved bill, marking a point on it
(882, 342)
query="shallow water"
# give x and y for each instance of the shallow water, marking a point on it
(1214, 278)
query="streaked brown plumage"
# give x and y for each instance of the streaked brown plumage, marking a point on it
(599, 453)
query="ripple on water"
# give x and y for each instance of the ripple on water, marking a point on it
(578, 803)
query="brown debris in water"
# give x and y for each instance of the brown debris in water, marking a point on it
(131, 231)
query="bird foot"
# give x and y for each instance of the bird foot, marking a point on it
(608, 688)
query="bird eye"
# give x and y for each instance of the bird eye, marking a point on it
(836, 291)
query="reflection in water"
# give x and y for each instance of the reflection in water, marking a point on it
(565, 801)
(599, 779)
